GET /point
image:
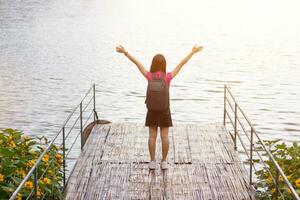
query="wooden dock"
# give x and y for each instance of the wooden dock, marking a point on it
(203, 165)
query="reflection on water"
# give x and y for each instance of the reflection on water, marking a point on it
(52, 51)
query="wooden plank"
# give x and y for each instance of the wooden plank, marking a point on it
(181, 145)
(211, 144)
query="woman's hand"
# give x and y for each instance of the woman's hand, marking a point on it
(197, 49)
(121, 49)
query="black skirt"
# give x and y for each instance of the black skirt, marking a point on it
(161, 119)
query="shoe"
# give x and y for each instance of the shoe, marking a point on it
(152, 164)
(164, 165)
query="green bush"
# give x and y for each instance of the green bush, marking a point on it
(288, 158)
(18, 153)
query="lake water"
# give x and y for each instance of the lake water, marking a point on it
(52, 51)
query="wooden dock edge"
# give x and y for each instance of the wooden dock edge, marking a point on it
(88, 129)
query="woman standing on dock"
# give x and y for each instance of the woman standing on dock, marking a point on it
(158, 114)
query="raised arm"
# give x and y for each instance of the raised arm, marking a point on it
(180, 65)
(139, 65)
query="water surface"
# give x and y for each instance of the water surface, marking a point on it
(52, 51)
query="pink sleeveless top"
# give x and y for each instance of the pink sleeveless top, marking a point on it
(168, 77)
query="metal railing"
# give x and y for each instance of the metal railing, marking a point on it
(253, 138)
(64, 132)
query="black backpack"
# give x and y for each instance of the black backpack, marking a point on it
(157, 98)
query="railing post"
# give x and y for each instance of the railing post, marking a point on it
(35, 182)
(235, 124)
(276, 184)
(81, 135)
(224, 117)
(64, 157)
(251, 155)
(94, 96)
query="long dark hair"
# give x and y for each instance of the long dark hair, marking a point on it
(158, 64)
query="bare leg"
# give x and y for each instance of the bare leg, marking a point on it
(164, 136)
(152, 141)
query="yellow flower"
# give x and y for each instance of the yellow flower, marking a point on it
(273, 190)
(28, 185)
(45, 158)
(288, 177)
(1, 141)
(289, 191)
(270, 179)
(26, 138)
(19, 196)
(21, 172)
(297, 183)
(280, 178)
(39, 193)
(47, 181)
(59, 161)
(58, 156)
(23, 153)
(11, 144)
(36, 154)
(30, 163)
(1, 178)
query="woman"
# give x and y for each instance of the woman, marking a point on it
(158, 119)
